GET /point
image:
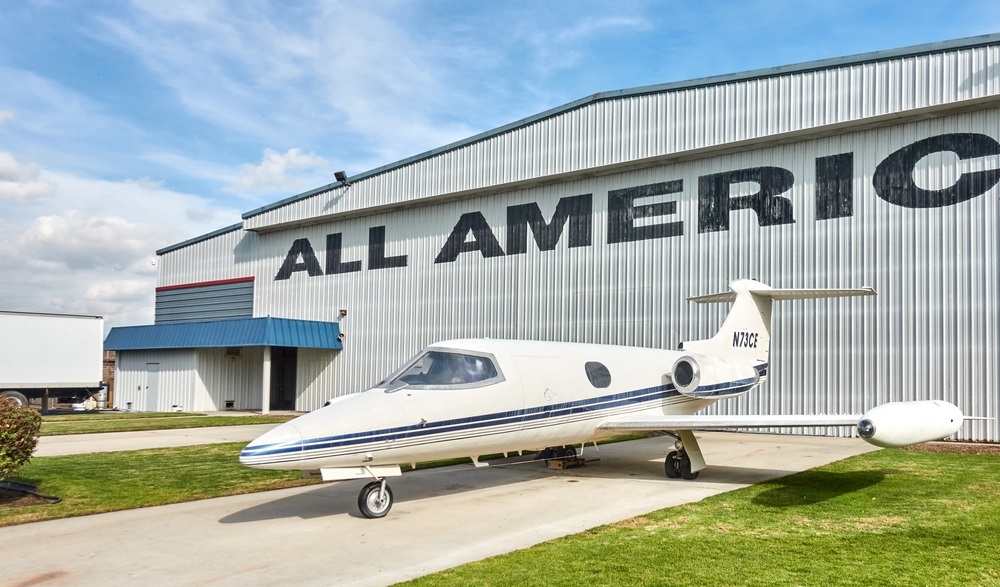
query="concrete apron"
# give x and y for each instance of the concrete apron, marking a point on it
(73, 444)
(441, 518)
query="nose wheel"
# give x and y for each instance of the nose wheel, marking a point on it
(375, 499)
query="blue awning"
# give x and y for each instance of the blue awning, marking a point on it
(226, 333)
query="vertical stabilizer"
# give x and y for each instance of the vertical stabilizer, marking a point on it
(746, 333)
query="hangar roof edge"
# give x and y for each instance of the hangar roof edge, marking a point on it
(856, 59)
(226, 333)
(50, 314)
(198, 239)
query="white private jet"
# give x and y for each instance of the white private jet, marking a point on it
(467, 398)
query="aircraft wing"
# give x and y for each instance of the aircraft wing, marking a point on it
(709, 422)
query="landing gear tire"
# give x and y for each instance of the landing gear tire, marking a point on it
(684, 465)
(671, 465)
(678, 465)
(17, 397)
(375, 499)
(557, 452)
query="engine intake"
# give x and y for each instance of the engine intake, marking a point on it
(710, 376)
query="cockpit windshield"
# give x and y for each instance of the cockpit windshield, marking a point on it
(444, 368)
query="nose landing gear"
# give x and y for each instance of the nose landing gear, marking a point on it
(375, 499)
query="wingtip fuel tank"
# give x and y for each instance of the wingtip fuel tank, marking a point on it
(896, 424)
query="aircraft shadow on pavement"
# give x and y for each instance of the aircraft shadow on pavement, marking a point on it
(341, 497)
(816, 487)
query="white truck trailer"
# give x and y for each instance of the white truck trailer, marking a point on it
(54, 356)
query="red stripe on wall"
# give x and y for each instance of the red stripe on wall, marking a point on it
(204, 283)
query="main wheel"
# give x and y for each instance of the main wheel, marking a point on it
(370, 504)
(671, 465)
(17, 397)
(684, 468)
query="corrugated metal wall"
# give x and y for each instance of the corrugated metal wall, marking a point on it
(149, 381)
(226, 377)
(315, 376)
(226, 256)
(207, 302)
(930, 333)
(189, 380)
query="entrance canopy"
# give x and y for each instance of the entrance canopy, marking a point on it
(266, 332)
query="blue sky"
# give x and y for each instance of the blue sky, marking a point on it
(129, 126)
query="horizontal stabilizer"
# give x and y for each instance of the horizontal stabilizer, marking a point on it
(786, 294)
(745, 335)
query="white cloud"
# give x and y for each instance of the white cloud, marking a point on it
(588, 28)
(124, 302)
(6, 115)
(64, 127)
(342, 73)
(208, 172)
(554, 51)
(223, 65)
(89, 249)
(79, 241)
(22, 182)
(275, 171)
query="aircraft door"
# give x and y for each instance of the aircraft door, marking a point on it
(461, 403)
(153, 387)
(556, 391)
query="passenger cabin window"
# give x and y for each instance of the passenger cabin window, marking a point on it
(598, 374)
(440, 368)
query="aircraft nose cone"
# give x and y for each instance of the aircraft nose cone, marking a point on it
(274, 448)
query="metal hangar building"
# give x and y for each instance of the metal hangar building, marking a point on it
(595, 221)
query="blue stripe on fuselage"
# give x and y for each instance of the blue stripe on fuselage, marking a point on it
(724, 389)
(534, 414)
(496, 419)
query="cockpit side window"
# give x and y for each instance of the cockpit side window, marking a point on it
(446, 368)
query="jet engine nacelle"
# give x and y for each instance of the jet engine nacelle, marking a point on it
(898, 424)
(711, 376)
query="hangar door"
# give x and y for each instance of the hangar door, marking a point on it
(283, 366)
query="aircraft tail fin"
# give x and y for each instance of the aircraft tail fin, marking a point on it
(746, 332)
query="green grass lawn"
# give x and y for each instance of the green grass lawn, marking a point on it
(84, 416)
(131, 422)
(886, 518)
(110, 481)
(890, 517)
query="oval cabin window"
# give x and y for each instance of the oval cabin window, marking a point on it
(598, 374)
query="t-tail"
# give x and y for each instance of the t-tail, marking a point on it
(736, 359)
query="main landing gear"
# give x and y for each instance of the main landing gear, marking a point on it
(375, 499)
(557, 452)
(679, 463)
